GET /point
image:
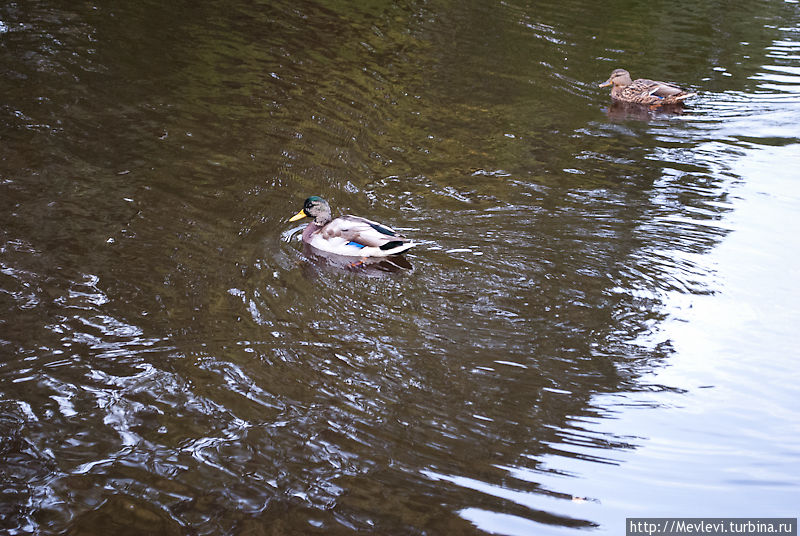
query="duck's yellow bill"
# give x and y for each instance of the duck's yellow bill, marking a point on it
(606, 83)
(300, 215)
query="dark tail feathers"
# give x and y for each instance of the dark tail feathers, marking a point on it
(391, 245)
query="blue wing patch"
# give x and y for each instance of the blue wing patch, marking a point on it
(356, 244)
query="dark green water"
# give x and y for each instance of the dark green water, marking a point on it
(599, 323)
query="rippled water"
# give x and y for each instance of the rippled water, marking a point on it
(600, 321)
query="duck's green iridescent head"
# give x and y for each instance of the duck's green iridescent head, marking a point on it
(314, 207)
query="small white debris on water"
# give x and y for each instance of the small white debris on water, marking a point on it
(511, 363)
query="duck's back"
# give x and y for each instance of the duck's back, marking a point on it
(354, 235)
(645, 91)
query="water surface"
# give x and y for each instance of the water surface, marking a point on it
(599, 321)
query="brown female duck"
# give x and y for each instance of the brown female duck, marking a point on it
(644, 91)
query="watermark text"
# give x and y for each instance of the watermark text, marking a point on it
(709, 526)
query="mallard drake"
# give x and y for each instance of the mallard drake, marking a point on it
(643, 91)
(349, 236)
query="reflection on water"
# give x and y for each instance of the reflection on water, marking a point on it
(556, 355)
(623, 111)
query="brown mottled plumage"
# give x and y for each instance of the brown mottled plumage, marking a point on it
(644, 91)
